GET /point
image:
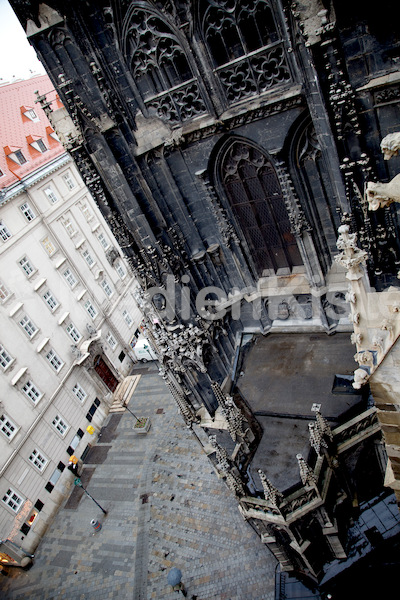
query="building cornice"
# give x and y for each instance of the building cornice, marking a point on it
(27, 182)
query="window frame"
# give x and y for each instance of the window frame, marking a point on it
(53, 299)
(89, 306)
(39, 461)
(28, 268)
(69, 181)
(106, 286)
(6, 357)
(71, 276)
(9, 495)
(54, 360)
(50, 194)
(5, 233)
(60, 425)
(79, 392)
(33, 392)
(73, 332)
(111, 341)
(27, 211)
(28, 326)
(9, 425)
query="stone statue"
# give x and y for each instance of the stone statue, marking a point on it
(390, 145)
(382, 194)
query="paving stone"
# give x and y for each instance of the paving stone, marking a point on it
(166, 507)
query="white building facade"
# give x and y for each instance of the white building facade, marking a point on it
(68, 321)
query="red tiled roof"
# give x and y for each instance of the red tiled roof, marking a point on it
(17, 132)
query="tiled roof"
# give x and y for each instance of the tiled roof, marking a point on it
(19, 132)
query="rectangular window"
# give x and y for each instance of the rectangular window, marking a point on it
(54, 478)
(41, 145)
(4, 293)
(13, 500)
(32, 391)
(20, 157)
(120, 269)
(5, 233)
(79, 392)
(50, 300)
(51, 195)
(88, 257)
(61, 426)
(27, 267)
(48, 246)
(69, 181)
(28, 326)
(111, 340)
(107, 288)
(73, 332)
(54, 360)
(69, 226)
(93, 409)
(91, 309)
(38, 460)
(5, 357)
(7, 427)
(70, 277)
(127, 318)
(27, 212)
(31, 115)
(103, 241)
(86, 212)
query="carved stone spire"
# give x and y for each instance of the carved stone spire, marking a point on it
(322, 425)
(316, 439)
(271, 493)
(306, 473)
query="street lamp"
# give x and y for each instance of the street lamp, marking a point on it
(78, 482)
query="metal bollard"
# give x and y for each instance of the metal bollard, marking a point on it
(96, 525)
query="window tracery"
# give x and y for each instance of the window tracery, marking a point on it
(252, 187)
(160, 68)
(246, 48)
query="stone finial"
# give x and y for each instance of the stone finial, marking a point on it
(351, 257)
(306, 473)
(271, 493)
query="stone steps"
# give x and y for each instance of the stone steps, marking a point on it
(123, 393)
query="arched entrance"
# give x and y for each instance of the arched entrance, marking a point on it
(251, 184)
(105, 373)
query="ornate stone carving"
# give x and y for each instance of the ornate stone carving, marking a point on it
(306, 473)
(185, 408)
(364, 357)
(227, 469)
(160, 68)
(383, 194)
(390, 145)
(351, 257)
(271, 493)
(380, 195)
(361, 377)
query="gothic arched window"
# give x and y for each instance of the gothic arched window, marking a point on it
(245, 46)
(160, 68)
(254, 192)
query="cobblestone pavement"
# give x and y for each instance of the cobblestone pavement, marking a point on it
(166, 508)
